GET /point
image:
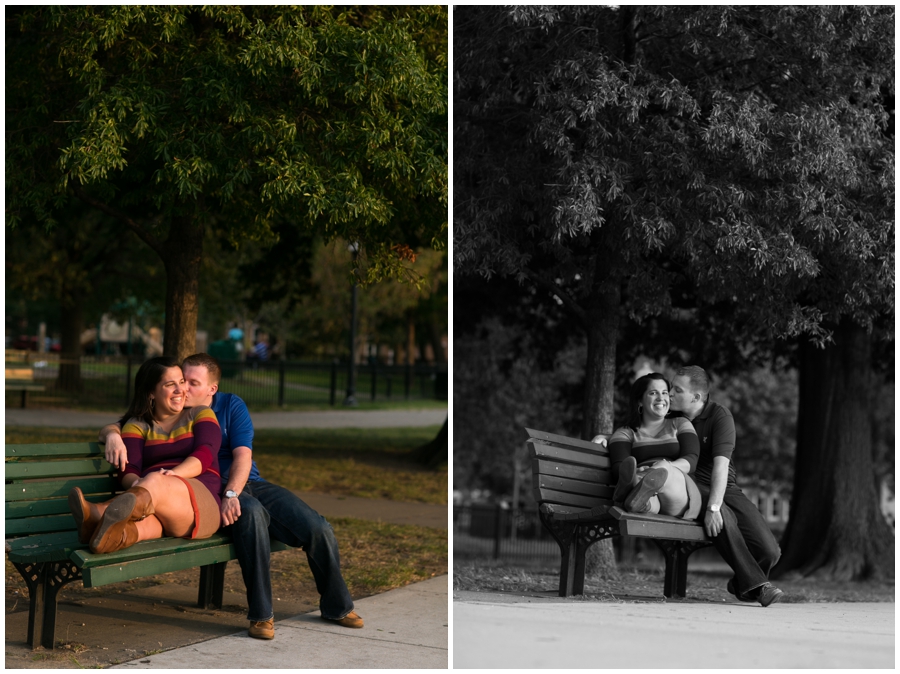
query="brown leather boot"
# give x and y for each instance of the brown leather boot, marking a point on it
(117, 529)
(628, 480)
(117, 536)
(87, 515)
(143, 504)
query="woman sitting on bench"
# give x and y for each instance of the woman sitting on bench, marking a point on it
(172, 475)
(653, 456)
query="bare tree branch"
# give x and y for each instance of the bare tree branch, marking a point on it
(132, 224)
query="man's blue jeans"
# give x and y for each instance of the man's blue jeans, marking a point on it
(270, 510)
(746, 543)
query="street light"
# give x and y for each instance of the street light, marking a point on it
(350, 400)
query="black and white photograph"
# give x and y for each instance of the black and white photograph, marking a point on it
(673, 336)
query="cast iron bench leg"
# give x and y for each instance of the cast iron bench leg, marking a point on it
(676, 554)
(212, 585)
(44, 582)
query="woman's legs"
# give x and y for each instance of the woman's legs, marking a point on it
(172, 502)
(662, 490)
(673, 496)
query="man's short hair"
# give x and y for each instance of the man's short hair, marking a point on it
(698, 378)
(207, 361)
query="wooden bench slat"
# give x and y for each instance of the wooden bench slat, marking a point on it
(16, 510)
(57, 449)
(574, 456)
(545, 467)
(153, 548)
(575, 488)
(52, 547)
(27, 526)
(23, 470)
(117, 571)
(565, 498)
(563, 440)
(28, 491)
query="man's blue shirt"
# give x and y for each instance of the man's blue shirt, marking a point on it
(237, 431)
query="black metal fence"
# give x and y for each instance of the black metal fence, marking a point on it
(492, 530)
(107, 381)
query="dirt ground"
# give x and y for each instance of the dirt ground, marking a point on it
(120, 622)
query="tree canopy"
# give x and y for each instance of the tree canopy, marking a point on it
(634, 162)
(175, 119)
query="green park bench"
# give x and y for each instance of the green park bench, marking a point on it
(42, 539)
(20, 378)
(573, 485)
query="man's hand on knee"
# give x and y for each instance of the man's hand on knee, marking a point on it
(713, 523)
(231, 511)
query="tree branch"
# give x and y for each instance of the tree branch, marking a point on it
(132, 224)
(568, 301)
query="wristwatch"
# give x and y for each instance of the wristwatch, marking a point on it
(232, 494)
(712, 507)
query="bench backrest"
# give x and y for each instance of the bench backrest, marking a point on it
(38, 481)
(20, 373)
(569, 473)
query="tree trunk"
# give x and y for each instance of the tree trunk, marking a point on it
(184, 253)
(71, 326)
(602, 317)
(836, 530)
(434, 453)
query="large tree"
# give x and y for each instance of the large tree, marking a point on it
(610, 155)
(176, 119)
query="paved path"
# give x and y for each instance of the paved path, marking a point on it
(323, 419)
(405, 629)
(500, 630)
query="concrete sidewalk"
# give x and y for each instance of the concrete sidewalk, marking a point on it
(405, 628)
(498, 630)
(321, 419)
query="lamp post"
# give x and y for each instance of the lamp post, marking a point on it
(350, 400)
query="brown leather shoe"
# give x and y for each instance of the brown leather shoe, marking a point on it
(349, 620)
(263, 629)
(117, 529)
(87, 515)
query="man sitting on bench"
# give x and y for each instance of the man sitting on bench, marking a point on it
(734, 524)
(254, 509)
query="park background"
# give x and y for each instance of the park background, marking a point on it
(637, 188)
(185, 178)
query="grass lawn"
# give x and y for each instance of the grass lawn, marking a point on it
(633, 583)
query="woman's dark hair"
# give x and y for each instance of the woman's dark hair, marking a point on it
(146, 379)
(636, 395)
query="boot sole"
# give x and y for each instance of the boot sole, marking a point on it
(78, 505)
(649, 487)
(118, 511)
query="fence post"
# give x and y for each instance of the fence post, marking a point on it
(497, 521)
(281, 382)
(408, 380)
(128, 383)
(333, 379)
(374, 379)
